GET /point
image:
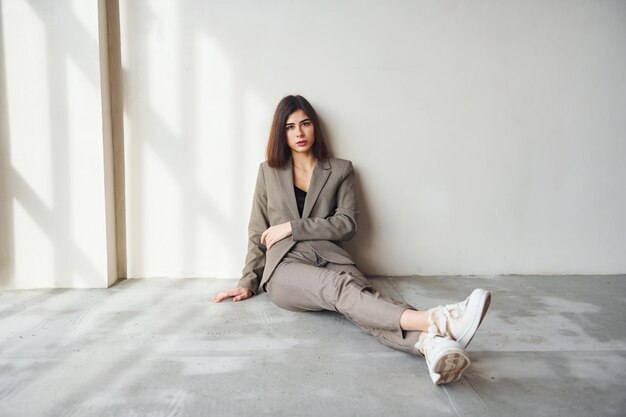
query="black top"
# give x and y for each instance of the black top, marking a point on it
(300, 196)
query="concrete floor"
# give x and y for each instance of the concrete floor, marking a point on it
(550, 346)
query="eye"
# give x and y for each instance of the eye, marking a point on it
(289, 127)
(307, 123)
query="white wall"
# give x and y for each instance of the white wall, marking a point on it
(488, 137)
(52, 197)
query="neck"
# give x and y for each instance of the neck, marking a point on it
(305, 161)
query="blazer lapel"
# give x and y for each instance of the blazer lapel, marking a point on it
(285, 179)
(321, 172)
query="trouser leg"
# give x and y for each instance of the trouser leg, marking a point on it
(343, 288)
(404, 340)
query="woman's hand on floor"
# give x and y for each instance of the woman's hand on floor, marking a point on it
(276, 233)
(238, 294)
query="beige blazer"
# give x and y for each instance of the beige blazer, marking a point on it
(329, 217)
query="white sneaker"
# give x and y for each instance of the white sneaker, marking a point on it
(461, 320)
(446, 359)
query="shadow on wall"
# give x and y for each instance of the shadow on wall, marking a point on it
(38, 227)
(198, 112)
(201, 126)
(37, 230)
(177, 159)
(365, 224)
(7, 253)
(361, 243)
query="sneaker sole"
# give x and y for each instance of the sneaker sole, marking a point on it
(449, 366)
(479, 302)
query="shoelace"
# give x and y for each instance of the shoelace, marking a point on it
(440, 316)
(425, 344)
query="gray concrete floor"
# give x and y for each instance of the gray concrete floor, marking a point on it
(550, 346)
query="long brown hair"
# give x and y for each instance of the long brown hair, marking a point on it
(278, 152)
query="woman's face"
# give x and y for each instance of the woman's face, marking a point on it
(300, 132)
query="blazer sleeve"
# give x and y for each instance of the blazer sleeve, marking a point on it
(255, 259)
(342, 224)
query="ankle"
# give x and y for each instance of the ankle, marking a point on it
(414, 320)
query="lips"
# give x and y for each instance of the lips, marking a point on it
(301, 143)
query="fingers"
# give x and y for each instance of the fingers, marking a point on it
(275, 234)
(238, 294)
(266, 239)
(271, 241)
(239, 298)
(221, 296)
(246, 294)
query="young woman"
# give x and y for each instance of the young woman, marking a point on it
(304, 207)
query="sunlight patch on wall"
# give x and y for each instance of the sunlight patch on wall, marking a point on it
(162, 50)
(28, 97)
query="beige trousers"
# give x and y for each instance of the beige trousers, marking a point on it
(304, 281)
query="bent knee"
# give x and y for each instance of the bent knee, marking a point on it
(346, 279)
(347, 292)
(288, 299)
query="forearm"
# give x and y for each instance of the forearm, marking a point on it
(253, 269)
(255, 259)
(339, 227)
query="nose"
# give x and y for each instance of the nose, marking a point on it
(299, 132)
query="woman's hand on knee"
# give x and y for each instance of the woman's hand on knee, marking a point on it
(238, 294)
